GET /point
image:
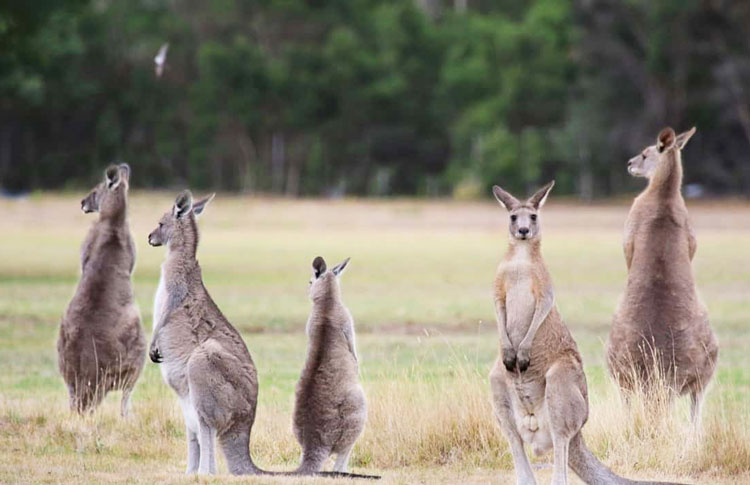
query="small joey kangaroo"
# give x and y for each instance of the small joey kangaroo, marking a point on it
(330, 410)
(101, 345)
(539, 390)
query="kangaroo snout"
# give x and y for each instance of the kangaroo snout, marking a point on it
(152, 241)
(523, 231)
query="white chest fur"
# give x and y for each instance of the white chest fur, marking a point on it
(160, 300)
(519, 299)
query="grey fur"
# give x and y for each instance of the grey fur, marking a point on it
(203, 358)
(330, 410)
(101, 345)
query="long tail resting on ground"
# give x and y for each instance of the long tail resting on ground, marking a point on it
(242, 464)
(592, 471)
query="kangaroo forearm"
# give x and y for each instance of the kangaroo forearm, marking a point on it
(501, 325)
(543, 307)
(628, 249)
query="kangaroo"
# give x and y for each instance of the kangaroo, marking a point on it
(661, 324)
(203, 358)
(101, 346)
(330, 410)
(539, 390)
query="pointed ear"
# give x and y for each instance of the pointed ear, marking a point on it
(319, 267)
(199, 206)
(183, 204)
(683, 138)
(505, 198)
(665, 140)
(540, 196)
(339, 268)
(124, 170)
(112, 177)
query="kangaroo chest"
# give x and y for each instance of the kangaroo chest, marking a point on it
(520, 301)
(160, 300)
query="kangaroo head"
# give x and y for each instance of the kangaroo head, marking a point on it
(325, 282)
(109, 197)
(524, 217)
(178, 224)
(645, 164)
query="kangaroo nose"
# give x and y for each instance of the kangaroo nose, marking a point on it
(523, 231)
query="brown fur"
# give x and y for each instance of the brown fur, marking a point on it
(330, 410)
(101, 346)
(661, 326)
(539, 390)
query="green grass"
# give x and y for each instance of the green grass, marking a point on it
(418, 286)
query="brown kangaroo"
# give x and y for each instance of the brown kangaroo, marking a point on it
(661, 325)
(539, 390)
(203, 357)
(330, 410)
(102, 346)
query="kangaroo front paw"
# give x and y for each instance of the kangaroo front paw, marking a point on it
(155, 355)
(523, 359)
(509, 359)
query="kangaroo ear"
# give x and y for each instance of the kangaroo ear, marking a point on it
(505, 198)
(683, 138)
(183, 204)
(339, 268)
(199, 206)
(319, 267)
(125, 170)
(540, 196)
(666, 140)
(112, 177)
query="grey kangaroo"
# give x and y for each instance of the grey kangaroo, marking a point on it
(330, 410)
(102, 346)
(203, 358)
(661, 325)
(539, 390)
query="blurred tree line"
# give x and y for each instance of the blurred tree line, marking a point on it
(372, 97)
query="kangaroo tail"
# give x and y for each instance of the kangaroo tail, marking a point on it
(592, 471)
(236, 447)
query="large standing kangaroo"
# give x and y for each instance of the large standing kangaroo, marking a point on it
(101, 345)
(203, 358)
(661, 325)
(539, 389)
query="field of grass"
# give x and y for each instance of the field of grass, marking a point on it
(418, 286)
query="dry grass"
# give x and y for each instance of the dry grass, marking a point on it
(415, 265)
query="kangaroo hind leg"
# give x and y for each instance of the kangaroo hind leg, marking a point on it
(567, 411)
(505, 417)
(342, 460)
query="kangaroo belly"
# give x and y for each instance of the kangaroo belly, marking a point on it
(189, 412)
(530, 412)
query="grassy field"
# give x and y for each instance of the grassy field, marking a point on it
(418, 286)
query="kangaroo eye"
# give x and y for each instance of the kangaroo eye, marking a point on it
(533, 217)
(513, 218)
(161, 224)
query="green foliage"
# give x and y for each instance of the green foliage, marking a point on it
(369, 96)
